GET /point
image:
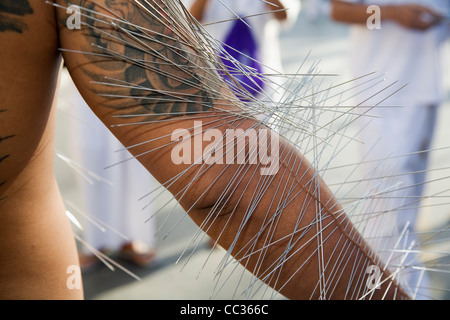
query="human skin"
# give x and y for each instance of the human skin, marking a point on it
(407, 15)
(36, 244)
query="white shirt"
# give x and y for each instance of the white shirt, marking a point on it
(265, 27)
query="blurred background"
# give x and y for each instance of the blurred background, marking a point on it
(186, 270)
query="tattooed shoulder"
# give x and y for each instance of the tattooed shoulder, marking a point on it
(11, 13)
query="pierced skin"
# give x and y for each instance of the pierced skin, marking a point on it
(33, 203)
(185, 73)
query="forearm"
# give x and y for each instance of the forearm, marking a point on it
(149, 83)
(198, 9)
(354, 13)
(410, 16)
(279, 11)
(297, 237)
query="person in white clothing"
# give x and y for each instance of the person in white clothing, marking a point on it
(251, 27)
(110, 186)
(404, 47)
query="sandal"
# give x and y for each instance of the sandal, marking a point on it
(137, 253)
(89, 262)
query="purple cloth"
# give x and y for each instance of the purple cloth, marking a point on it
(241, 44)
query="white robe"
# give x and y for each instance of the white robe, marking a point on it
(112, 202)
(398, 129)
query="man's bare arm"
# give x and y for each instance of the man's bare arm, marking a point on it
(144, 83)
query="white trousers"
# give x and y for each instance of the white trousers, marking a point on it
(396, 144)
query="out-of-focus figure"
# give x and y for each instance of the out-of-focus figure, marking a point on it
(117, 222)
(401, 40)
(249, 31)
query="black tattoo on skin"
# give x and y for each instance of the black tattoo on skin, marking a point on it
(11, 13)
(4, 157)
(163, 80)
